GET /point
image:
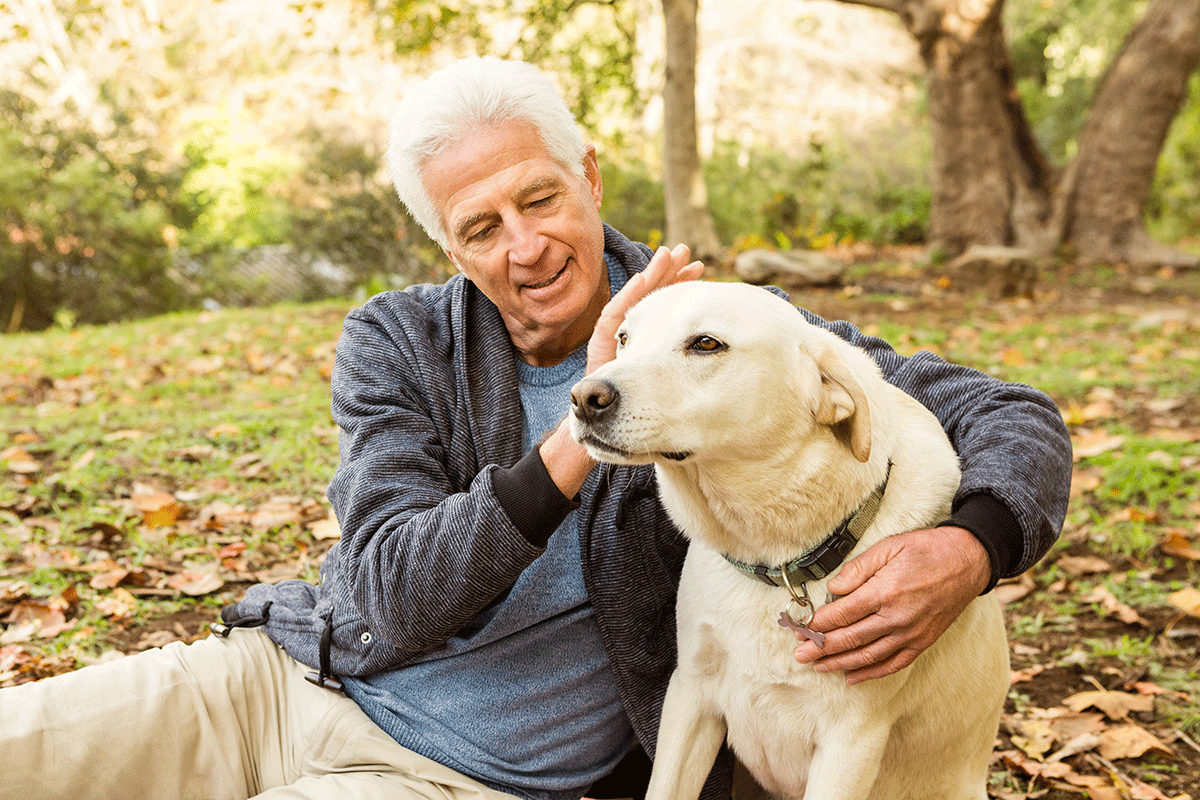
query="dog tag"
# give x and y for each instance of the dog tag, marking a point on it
(786, 621)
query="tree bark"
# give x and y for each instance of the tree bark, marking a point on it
(688, 218)
(992, 182)
(1103, 200)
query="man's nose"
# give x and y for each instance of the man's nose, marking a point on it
(526, 241)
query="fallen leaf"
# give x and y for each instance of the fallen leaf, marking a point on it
(194, 584)
(1130, 741)
(1083, 565)
(1176, 544)
(227, 429)
(1079, 744)
(1094, 443)
(110, 579)
(19, 461)
(158, 508)
(119, 605)
(328, 529)
(1115, 705)
(123, 435)
(1007, 591)
(1111, 605)
(1186, 600)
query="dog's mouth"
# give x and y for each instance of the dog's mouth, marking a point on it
(610, 452)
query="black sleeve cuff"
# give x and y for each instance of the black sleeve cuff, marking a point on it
(531, 498)
(995, 527)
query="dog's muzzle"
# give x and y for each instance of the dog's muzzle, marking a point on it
(592, 400)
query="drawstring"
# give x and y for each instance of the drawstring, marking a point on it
(224, 628)
(325, 678)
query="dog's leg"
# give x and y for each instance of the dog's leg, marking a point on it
(846, 762)
(689, 737)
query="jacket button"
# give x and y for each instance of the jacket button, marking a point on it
(366, 637)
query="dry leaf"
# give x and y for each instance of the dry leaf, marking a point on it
(1079, 744)
(1176, 544)
(158, 508)
(19, 461)
(1094, 443)
(1186, 600)
(1115, 705)
(328, 529)
(1130, 741)
(1083, 565)
(196, 583)
(1111, 605)
(119, 605)
(109, 579)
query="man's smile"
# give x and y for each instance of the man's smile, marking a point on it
(548, 281)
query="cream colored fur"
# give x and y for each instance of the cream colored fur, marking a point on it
(764, 437)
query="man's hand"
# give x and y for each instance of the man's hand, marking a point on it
(567, 462)
(665, 268)
(899, 596)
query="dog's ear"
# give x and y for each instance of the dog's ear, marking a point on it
(843, 404)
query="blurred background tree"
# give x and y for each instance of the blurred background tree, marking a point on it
(150, 151)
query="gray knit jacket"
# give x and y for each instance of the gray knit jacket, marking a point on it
(440, 513)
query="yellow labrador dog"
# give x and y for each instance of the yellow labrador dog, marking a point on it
(781, 452)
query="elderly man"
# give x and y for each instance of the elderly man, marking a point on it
(497, 618)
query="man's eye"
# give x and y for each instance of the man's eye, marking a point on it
(541, 201)
(481, 234)
(706, 344)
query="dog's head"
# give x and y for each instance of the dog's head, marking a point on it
(720, 370)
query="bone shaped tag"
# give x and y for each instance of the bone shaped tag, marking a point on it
(786, 621)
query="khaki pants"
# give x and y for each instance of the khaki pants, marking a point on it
(221, 718)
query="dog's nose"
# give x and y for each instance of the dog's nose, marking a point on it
(592, 398)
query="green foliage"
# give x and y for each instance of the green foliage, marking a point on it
(1060, 50)
(821, 199)
(344, 209)
(1173, 211)
(84, 221)
(591, 46)
(232, 184)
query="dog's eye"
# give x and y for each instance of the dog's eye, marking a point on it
(706, 344)
(622, 337)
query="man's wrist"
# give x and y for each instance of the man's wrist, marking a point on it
(993, 526)
(567, 462)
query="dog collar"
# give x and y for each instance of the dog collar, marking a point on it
(825, 557)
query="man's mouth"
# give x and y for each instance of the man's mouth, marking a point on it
(548, 281)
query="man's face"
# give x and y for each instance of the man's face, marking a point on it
(527, 232)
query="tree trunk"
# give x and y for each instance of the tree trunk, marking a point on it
(992, 183)
(991, 180)
(688, 219)
(1103, 199)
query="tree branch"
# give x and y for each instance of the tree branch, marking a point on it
(886, 5)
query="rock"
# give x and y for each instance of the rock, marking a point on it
(793, 267)
(999, 272)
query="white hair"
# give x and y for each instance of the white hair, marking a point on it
(468, 96)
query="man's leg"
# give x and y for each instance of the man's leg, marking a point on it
(222, 718)
(201, 721)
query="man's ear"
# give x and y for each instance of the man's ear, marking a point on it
(843, 404)
(453, 260)
(591, 171)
